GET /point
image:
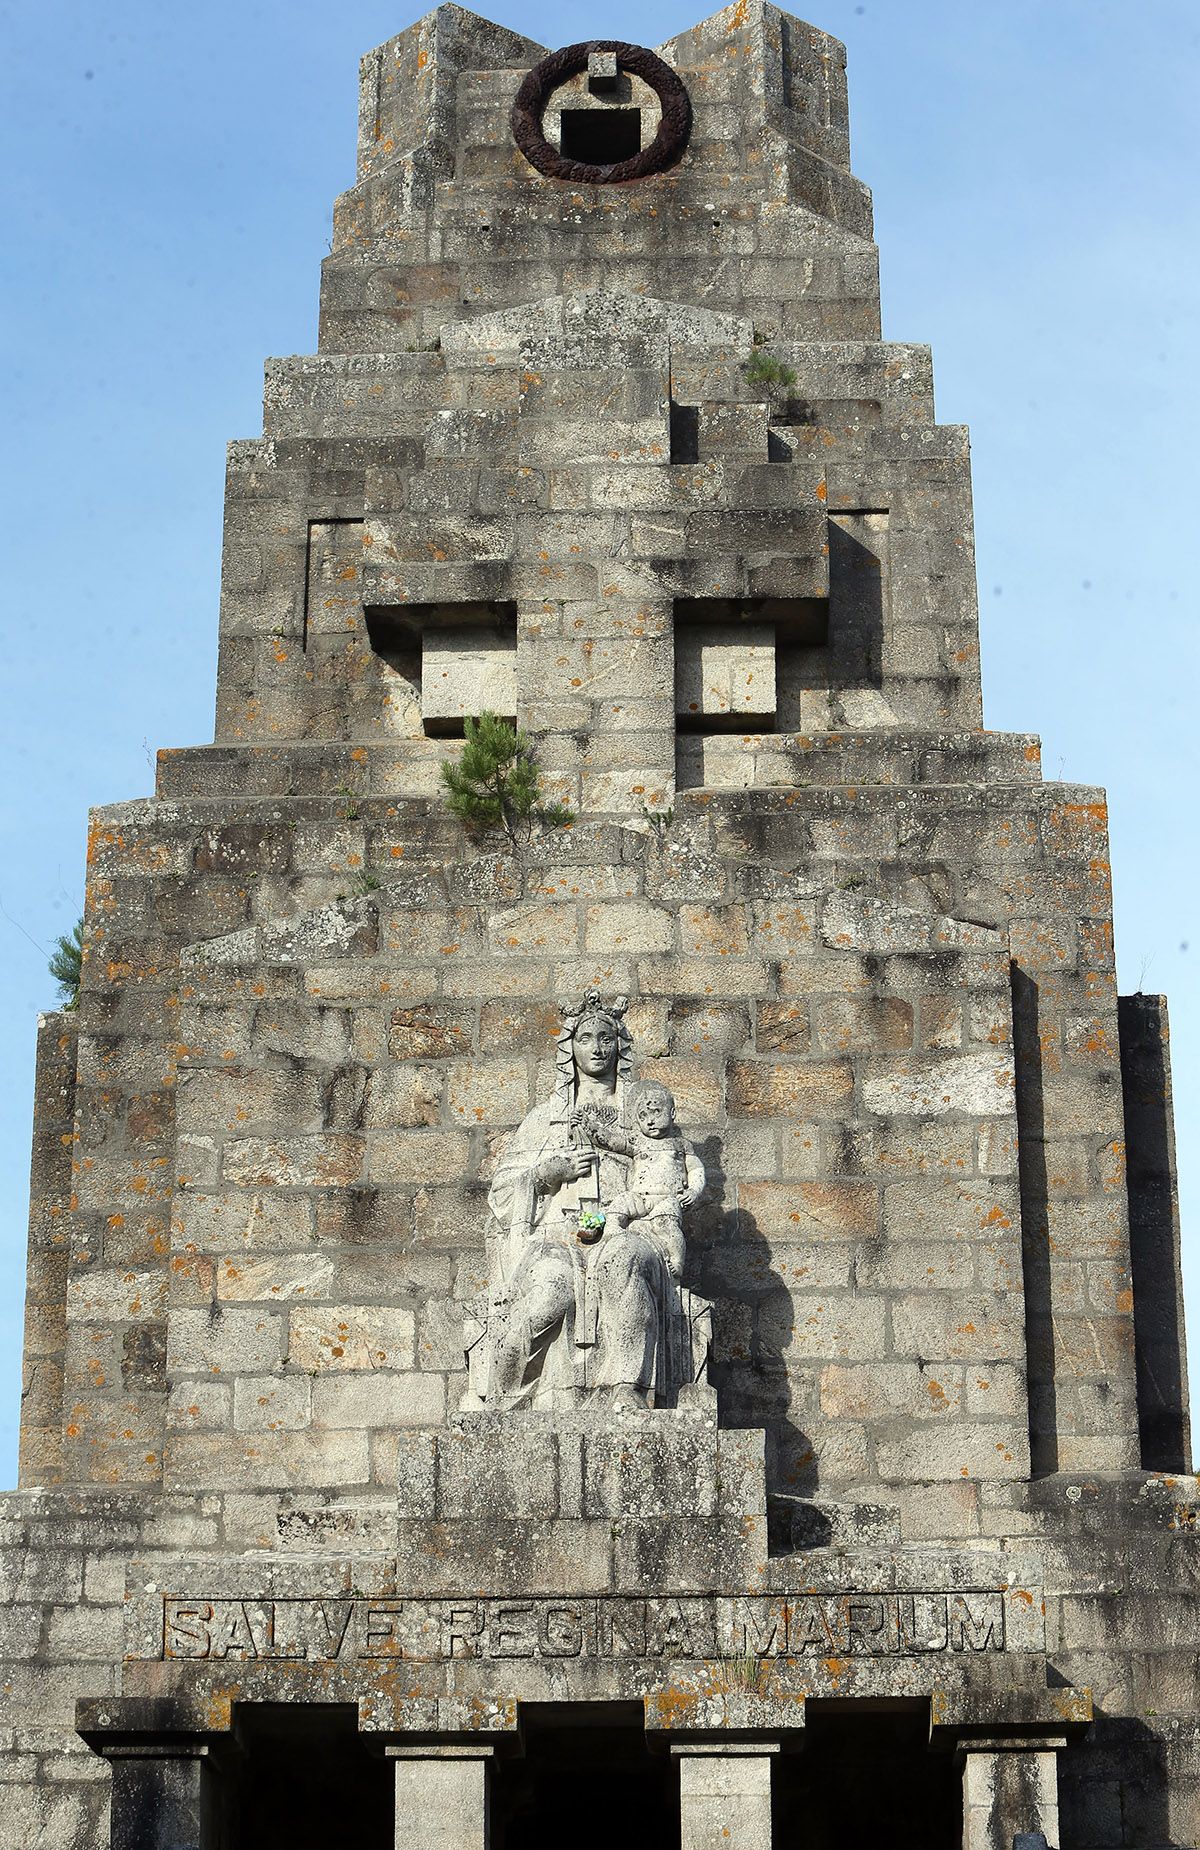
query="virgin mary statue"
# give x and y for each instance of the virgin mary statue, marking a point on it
(585, 1301)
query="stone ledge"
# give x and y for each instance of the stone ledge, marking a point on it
(889, 756)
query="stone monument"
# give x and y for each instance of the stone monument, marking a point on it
(671, 1320)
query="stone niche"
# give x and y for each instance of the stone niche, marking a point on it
(725, 675)
(601, 115)
(737, 661)
(458, 659)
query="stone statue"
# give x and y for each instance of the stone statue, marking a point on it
(586, 1302)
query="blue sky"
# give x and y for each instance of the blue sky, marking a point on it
(167, 179)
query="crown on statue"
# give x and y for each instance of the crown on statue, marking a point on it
(592, 1008)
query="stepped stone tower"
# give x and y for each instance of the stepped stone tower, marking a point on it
(664, 1324)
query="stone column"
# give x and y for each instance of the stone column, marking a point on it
(725, 1794)
(443, 1795)
(161, 1796)
(1010, 1794)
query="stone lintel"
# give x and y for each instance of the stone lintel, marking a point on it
(976, 1721)
(177, 1747)
(438, 1750)
(146, 1725)
(451, 1725)
(1012, 1744)
(731, 1745)
(734, 1723)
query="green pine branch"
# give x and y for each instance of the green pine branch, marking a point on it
(496, 783)
(66, 966)
(775, 376)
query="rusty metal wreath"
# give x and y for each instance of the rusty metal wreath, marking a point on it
(666, 148)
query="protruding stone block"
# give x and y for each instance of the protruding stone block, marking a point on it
(604, 1493)
(602, 71)
(465, 672)
(725, 672)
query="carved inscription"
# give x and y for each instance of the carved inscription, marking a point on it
(703, 1628)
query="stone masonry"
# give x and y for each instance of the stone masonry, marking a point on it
(601, 436)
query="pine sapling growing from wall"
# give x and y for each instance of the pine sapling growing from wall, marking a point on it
(774, 377)
(66, 966)
(496, 783)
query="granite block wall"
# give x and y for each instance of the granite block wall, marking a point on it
(534, 468)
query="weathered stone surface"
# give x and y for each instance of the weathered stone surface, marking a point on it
(925, 1237)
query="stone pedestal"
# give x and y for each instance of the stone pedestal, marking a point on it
(443, 1795)
(1010, 1794)
(582, 1502)
(725, 1794)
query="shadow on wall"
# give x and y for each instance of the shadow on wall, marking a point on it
(753, 1316)
(1113, 1788)
(1164, 1419)
(844, 675)
(1035, 1224)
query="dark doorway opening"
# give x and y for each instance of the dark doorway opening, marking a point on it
(587, 1774)
(305, 1780)
(601, 137)
(866, 1777)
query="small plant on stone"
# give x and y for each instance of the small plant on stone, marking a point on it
(660, 820)
(350, 806)
(752, 1674)
(775, 376)
(496, 783)
(364, 882)
(66, 966)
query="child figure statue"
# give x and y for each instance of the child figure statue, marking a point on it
(667, 1175)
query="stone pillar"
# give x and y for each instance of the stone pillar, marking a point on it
(443, 1796)
(170, 1769)
(725, 1794)
(161, 1796)
(1010, 1794)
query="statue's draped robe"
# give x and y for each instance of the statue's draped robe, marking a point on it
(579, 1318)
